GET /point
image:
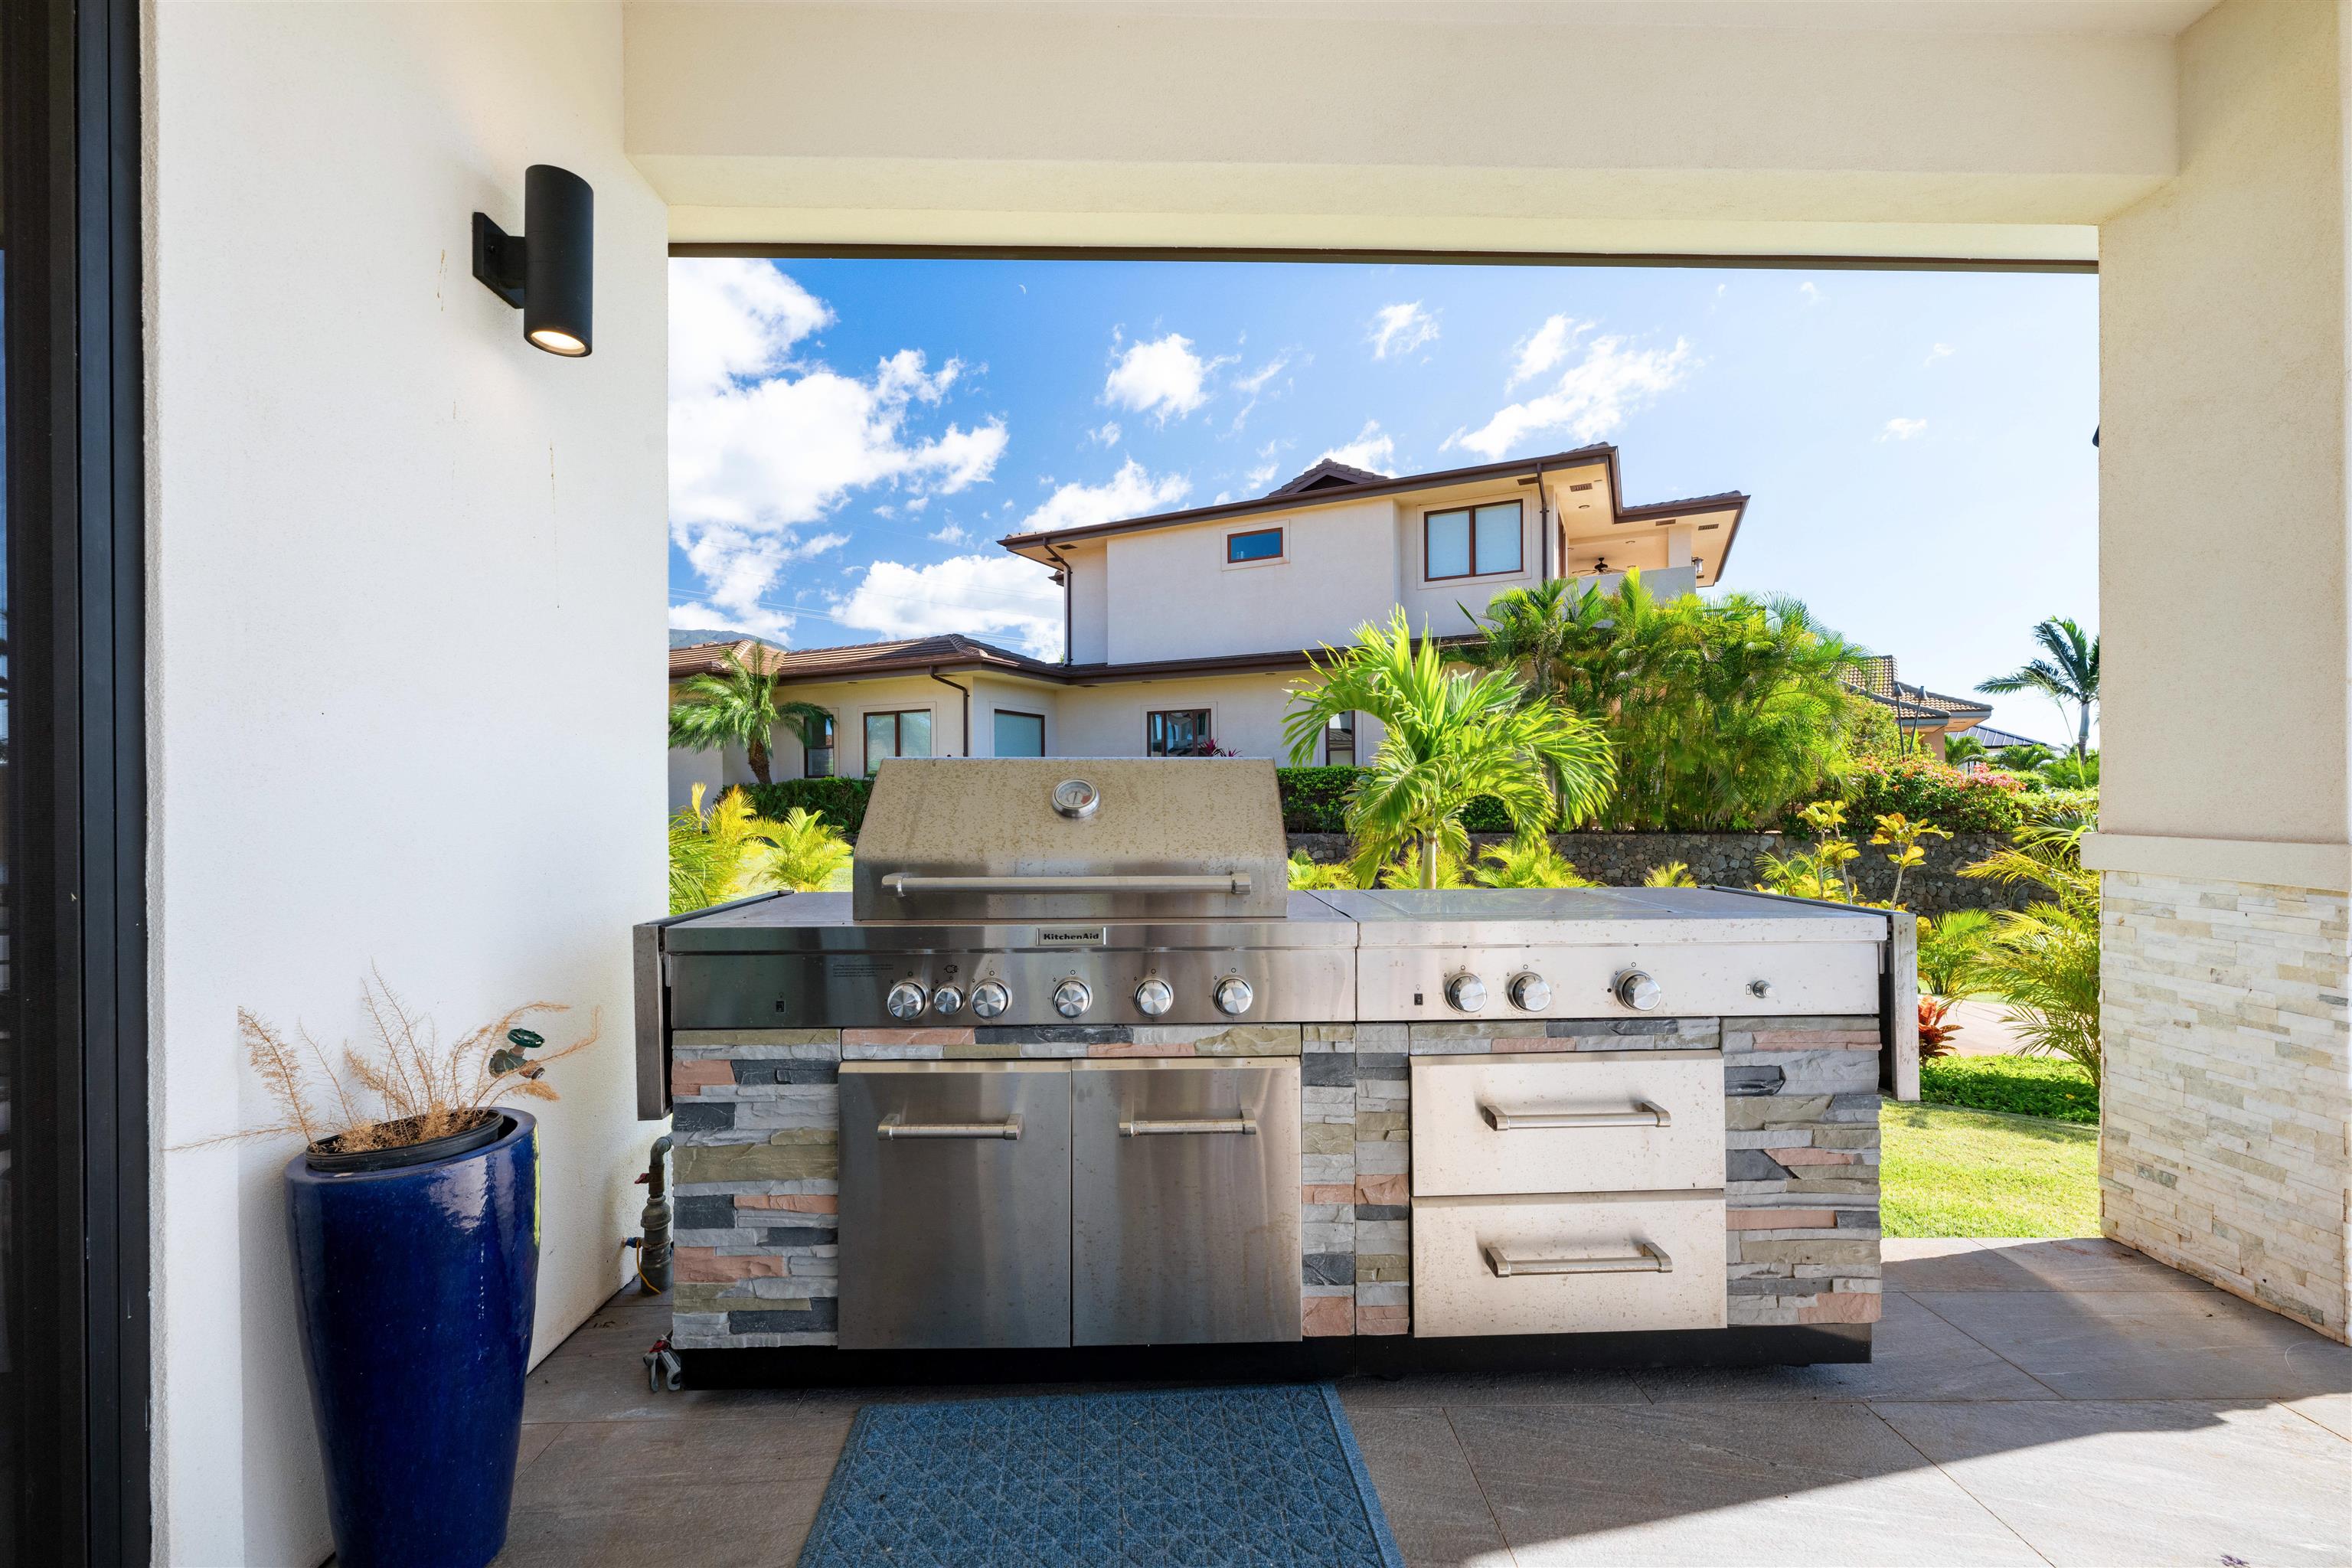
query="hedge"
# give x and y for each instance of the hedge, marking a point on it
(1927, 791)
(1314, 800)
(841, 802)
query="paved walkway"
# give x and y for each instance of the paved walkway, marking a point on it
(2033, 1401)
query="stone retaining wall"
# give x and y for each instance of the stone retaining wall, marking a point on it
(1728, 859)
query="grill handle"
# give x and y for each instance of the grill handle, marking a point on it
(890, 1128)
(905, 884)
(1141, 1129)
(1645, 1113)
(1648, 1259)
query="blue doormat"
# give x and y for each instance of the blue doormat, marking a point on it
(1267, 1478)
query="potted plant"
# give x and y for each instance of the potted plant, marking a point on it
(414, 1212)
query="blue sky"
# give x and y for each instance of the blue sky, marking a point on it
(849, 438)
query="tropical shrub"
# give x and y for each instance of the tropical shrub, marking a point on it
(1315, 799)
(1934, 1035)
(720, 854)
(1905, 848)
(1924, 790)
(1673, 874)
(2071, 772)
(1818, 872)
(841, 803)
(2044, 960)
(809, 853)
(1948, 944)
(1305, 875)
(1721, 715)
(1528, 863)
(1448, 736)
(1410, 870)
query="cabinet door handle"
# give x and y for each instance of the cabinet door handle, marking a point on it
(1649, 1259)
(1645, 1113)
(890, 1127)
(1138, 1128)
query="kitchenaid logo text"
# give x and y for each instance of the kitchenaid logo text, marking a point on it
(1069, 936)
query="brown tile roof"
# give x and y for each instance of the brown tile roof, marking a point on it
(1915, 707)
(1327, 474)
(859, 658)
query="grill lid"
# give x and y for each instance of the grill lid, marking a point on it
(1015, 838)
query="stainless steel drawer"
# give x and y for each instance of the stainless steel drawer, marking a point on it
(1556, 1265)
(955, 1205)
(1589, 1121)
(1186, 1219)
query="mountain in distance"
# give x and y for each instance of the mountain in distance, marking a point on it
(683, 637)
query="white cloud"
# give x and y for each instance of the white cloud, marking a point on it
(1902, 429)
(1545, 347)
(1130, 492)
(1590, 399)
(1162, 377)
(1106, 434)
(1401, 329)
(1941, 351)
(951, 534)
(1369, 450)
(1260, 475)
(761, 446)
(731, 319)
(999, 597)
(1254, 383)
(1812, 296)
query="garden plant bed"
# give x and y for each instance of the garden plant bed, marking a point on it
(2049, 1086)
(1949, 1171)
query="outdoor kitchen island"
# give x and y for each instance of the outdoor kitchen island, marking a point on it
(1071, 1072)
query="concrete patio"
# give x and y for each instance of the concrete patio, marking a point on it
(2058, 1402)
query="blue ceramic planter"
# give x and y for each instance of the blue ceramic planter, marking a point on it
(417, 1288)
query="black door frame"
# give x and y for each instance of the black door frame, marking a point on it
(70, 156)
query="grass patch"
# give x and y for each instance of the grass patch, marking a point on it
(2022, 1086)
(1947, 1171)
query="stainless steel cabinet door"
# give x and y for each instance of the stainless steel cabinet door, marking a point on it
(955, 1205)
(1185, 1220)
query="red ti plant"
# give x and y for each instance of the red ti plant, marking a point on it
(1934, 1035)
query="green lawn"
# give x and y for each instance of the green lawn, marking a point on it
(1949, 1172)
(2022, 1086)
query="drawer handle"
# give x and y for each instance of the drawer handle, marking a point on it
(1643, 1114)
(1649, 1260)
(890, 1127)
(1139, 1129)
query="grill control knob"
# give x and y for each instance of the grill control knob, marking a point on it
(1235, 995)
(1760, 989)
(947, 999)
(1071, 997)
(1467, 993)
(1530, 993)
(906, 1000)
(1154, 997)
(990, 999)
(1637, 990)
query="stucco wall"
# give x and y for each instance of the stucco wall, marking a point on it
(1172, 595)
(406, 591)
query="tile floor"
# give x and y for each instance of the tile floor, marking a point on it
(2032, 1401)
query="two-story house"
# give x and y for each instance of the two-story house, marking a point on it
(1183, 630)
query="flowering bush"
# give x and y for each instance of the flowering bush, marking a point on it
(1924, 790)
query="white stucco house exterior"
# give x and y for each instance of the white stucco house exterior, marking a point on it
(1184, 629)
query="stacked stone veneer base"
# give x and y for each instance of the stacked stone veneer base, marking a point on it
(758, 1128)
(2227, 1094)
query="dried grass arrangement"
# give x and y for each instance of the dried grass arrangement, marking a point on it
(405, 1087)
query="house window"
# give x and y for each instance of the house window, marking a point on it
(1472, 542)
(1020, 735)
(816, 751)
(906, 734)
(1340, 741)
(1259, 545)
(1179, 732)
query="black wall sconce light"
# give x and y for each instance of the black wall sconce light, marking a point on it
(548, 271)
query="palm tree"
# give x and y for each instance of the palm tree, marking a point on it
(737, 706)
(2044, 960)
(1959, 748)
(2070, 675)
(719, 854)
(1449, 737)
(809, 856)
